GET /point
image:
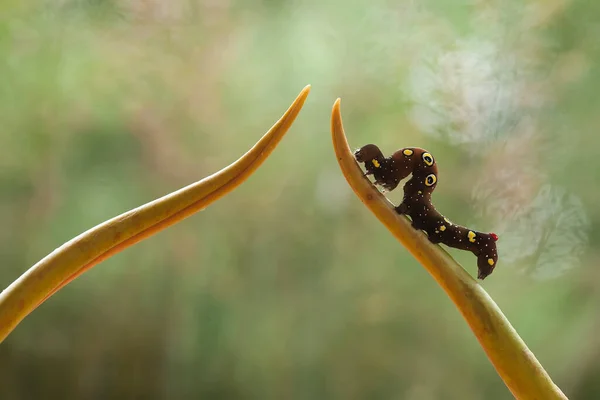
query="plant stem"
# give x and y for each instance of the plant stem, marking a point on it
(515, 363)
(113, 236)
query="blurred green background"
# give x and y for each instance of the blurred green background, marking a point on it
(289, 288)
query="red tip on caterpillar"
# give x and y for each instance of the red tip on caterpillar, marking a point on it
(494, 236)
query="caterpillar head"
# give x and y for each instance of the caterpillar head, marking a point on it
(383, 169)
(368, 153)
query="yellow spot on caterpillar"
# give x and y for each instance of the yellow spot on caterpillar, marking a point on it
(407, 152)
(376, 163)
(430, 180)
(443, 228)
(490, 261)
(471, 235)
(427, 159)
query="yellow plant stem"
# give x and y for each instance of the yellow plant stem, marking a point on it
(515, 363)
(105, 240)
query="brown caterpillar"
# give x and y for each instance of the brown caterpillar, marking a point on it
(388, 172)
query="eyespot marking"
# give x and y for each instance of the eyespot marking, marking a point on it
(471, 235)
(376, 163)
(427, 159)
(430, 180)
(407, 152)
(490, 261)
(443, 228)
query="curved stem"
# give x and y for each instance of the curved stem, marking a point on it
(105, 240)
(517, 366)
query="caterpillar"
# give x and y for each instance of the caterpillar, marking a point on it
(388, 172)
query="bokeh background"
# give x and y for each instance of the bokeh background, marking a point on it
(289, 288)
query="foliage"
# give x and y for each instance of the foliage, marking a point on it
(288, 287)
